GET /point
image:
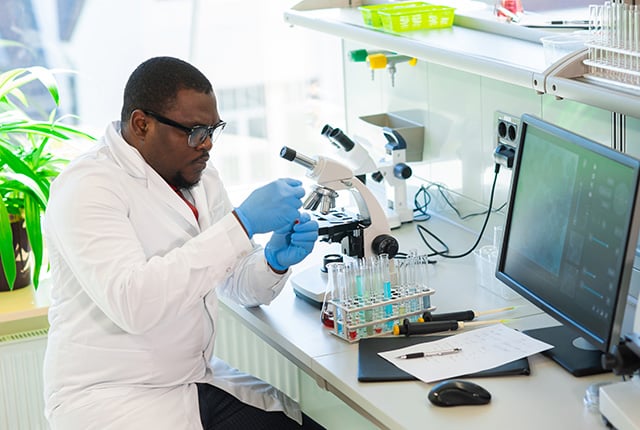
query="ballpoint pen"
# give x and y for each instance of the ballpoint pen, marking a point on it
(570, 22)
(430, 353)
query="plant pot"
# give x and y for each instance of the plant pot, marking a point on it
(23, 258)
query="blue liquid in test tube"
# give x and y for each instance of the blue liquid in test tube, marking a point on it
(386, 283)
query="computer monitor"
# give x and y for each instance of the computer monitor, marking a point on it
(570, 239)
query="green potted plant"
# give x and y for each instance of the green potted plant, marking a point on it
(27, 167)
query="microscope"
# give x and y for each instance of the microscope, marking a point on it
(361, 235)
(619, 401)
(391, 172)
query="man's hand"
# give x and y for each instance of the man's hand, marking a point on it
(291, 244)
(271, 207)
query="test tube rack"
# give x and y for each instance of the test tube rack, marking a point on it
(355, 318)
(614, 44)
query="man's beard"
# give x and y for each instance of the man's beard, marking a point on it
(180, 182)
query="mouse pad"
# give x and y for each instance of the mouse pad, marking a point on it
(373, 368)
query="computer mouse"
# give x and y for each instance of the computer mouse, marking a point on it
(456, 392)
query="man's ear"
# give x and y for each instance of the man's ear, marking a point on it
(138, 124)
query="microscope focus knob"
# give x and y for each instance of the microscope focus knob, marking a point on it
(402, 171)
(385, 244)
(609, 361)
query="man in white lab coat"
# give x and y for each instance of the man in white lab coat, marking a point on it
(142, 238)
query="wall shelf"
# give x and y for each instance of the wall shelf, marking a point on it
(475, 44)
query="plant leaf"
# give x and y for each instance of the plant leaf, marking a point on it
(7, 254)
(26, 166)
(20, 167)
(29, 74)
(25, 185)
(32, 214)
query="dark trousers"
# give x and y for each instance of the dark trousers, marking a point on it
(220, 410)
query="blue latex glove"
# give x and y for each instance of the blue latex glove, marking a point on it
(291, 244)
(271, 207)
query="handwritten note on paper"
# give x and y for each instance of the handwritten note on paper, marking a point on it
(482, 348)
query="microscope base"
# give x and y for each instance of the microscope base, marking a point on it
(309, 285)
(619, 404)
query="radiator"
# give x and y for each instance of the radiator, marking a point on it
(244, 350)
(22, 354)
(21, 398)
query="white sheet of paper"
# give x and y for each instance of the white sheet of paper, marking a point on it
(482, 348)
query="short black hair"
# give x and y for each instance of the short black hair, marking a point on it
(155, 83)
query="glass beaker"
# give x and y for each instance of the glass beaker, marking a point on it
(331, 293)
(510, 10)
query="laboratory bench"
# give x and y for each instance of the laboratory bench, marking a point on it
(548, 398)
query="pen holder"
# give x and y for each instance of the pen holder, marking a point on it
(355, 318)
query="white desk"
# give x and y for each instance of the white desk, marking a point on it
(550, 398)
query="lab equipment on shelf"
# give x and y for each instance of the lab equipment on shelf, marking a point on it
(614, 46)
(407, 16)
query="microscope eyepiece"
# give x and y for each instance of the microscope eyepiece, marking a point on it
(326, 130)
(288, 153)
(291, 155)
(336, 136)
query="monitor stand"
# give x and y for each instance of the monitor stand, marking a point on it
(573, 353)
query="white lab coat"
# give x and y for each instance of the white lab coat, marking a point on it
(134, 297)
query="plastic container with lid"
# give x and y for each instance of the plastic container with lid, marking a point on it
(559, 45)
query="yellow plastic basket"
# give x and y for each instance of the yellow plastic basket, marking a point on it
(370, 13)
(416, 18)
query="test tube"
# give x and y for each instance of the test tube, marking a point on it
(364, 294)
(423, 277)
(352, 300)
(386, 285)
(597, 29)
(413, 279)
(607, 38)
(636, 38)
(617, 21)
(375, 283)
(352, 296)
(401, 283)
(341, 287)
(593, 31)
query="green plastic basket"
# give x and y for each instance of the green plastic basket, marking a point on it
(370, 13)
(416, 18)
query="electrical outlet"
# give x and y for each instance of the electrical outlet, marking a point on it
(507, 129)
(507, 134)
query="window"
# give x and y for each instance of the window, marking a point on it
(276, 85)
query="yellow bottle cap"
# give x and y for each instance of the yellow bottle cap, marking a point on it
(396, 330)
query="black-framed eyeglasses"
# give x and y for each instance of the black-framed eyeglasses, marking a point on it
(197, 134)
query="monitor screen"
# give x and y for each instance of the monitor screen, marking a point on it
(570, 237)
